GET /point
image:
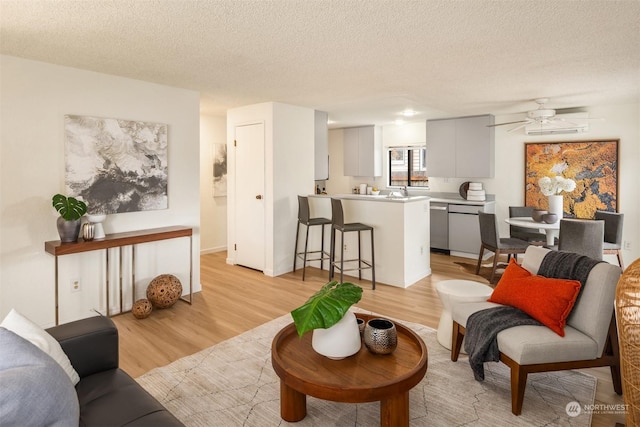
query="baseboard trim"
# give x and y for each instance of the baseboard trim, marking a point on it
(213, 250)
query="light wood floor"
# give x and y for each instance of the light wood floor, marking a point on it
(236, 299)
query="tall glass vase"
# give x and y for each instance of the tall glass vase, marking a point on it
(556, 205)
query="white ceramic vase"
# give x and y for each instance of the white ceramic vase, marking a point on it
(98, 229)
(339, 341)
(556, 205)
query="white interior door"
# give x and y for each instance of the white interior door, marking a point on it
(250, 210)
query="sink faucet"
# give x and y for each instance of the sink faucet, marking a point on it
(405, 192)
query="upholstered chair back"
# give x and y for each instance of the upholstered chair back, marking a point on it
(592, 312)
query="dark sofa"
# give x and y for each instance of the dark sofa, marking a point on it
(107, 395)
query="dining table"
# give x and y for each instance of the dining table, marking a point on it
(551, 230)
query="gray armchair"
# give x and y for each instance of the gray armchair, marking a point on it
(590, 337)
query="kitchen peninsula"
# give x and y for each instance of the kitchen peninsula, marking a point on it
(401, 228)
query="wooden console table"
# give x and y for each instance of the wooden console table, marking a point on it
(119, 240)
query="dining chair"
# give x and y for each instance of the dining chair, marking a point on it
(582, 236)
(491, 240)
(612, 233)
(522, 233)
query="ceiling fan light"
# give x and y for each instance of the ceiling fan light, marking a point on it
(541, 114)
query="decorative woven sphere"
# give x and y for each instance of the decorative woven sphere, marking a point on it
(164, 290)
(141, 308)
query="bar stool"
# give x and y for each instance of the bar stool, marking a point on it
(303, 218)
(338, 224)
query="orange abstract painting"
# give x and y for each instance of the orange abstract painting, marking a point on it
(593, 165)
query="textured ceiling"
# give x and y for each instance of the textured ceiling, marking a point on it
(362, 61)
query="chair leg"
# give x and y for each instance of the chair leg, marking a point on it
(332, 252)
(304, 256)
(619, 254)
(359, 258)
(495, 265)
(322, 248)
(456, 341)
(612, 347)
(518, 384)
(480, 259)
(342, 257)
(295, 247)
(373, 264)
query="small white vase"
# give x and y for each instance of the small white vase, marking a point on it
(98, 229)
(339, 341)
(556, 205)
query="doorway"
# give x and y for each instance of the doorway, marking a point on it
(249, 197)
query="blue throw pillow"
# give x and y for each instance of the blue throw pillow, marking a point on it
(35, 390)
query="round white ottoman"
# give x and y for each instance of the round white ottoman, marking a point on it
(451, 291)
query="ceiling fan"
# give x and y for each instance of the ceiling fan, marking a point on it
(541, 116)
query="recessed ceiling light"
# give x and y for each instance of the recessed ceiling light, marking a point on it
(409, 113)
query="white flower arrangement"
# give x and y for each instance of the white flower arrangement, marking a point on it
(556, 185)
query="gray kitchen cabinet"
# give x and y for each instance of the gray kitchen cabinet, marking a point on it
(462, 147)
(321, 146)
(362, 151)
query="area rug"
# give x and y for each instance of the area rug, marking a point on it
(485, 269)
(233, 384)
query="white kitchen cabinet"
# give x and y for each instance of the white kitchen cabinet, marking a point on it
(321, 146)
(461, 147)
(362, 151)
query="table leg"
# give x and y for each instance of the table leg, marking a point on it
(293, 404)
(445, 328)
(394, 412)
(551, 235)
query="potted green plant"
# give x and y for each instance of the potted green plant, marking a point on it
(70, 210)
(335, 329)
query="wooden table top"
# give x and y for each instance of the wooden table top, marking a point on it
(363, 377)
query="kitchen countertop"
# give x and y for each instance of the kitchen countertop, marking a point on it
(453, 198)
(370, 197)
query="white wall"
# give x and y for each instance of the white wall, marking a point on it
(35, 98)
(213, 210)
(620, 122)
(289, 171)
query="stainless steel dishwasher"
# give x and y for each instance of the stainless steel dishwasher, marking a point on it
(464, 228)
(439, 225)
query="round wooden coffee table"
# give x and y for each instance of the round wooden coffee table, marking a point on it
(363, 377)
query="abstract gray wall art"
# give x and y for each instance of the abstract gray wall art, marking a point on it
(116, 165)
(219, 170)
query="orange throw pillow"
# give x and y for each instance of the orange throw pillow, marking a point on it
(547, 300)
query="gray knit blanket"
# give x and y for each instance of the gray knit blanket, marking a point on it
(481, 342)
(567, 265)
